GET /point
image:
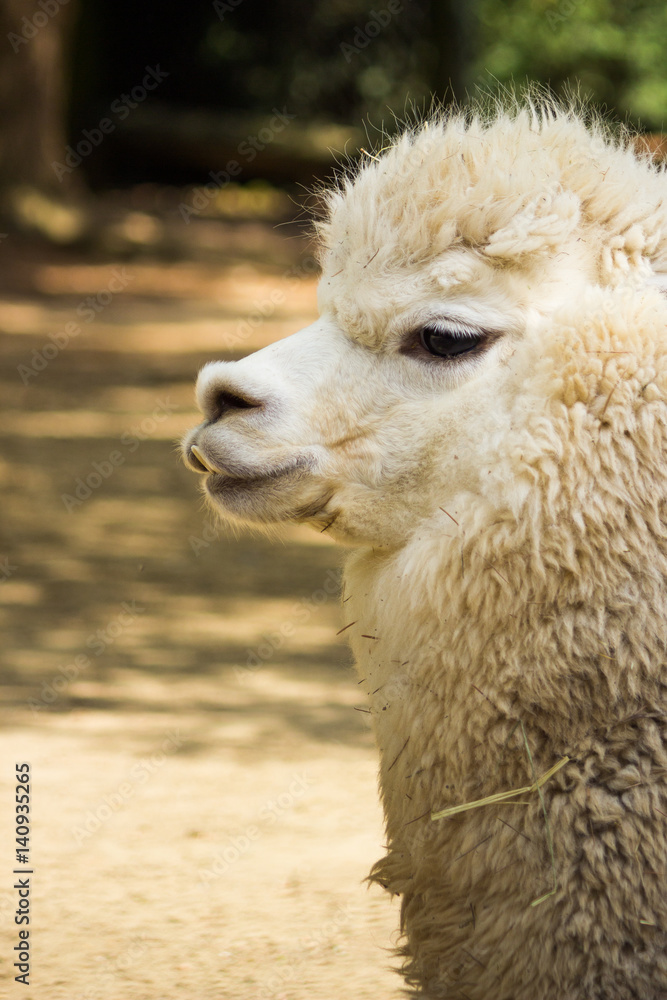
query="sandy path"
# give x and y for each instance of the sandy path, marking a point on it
(200, 829)
(172, 865)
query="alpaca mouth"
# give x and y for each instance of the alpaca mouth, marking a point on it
(265, 493)
(285, 493)
(219, 473)
(220, 484)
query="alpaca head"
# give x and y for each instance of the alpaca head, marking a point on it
(450, 264)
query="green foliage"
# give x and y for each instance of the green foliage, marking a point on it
(351, 61)
(323, 59)
(327, 59)
(614, 50)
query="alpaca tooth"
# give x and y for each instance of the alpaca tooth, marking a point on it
(199, 455)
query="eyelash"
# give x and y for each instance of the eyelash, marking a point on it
(421, 340)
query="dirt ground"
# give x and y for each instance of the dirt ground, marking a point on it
(203, 795)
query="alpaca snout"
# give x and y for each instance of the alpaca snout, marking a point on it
(221, 392)
(239, 410)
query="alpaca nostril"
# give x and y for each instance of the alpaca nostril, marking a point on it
(225, 402)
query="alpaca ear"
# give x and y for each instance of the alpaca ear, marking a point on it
(538, 228)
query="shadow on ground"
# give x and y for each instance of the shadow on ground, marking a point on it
(119, 591)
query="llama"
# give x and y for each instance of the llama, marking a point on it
(480, 414)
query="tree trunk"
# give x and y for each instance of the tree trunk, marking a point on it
(33, 45)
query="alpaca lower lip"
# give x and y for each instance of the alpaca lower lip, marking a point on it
(218, 482)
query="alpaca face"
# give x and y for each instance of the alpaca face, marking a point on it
(369, 432)
(445, 264)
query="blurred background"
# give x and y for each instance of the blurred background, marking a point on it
(102, 97)
(204, 776)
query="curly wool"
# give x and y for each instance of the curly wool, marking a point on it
(550, 610)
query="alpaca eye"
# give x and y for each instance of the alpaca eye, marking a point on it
(445, 344)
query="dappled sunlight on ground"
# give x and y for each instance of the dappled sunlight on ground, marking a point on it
(168, 680)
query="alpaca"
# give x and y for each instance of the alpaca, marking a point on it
(480, 414)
